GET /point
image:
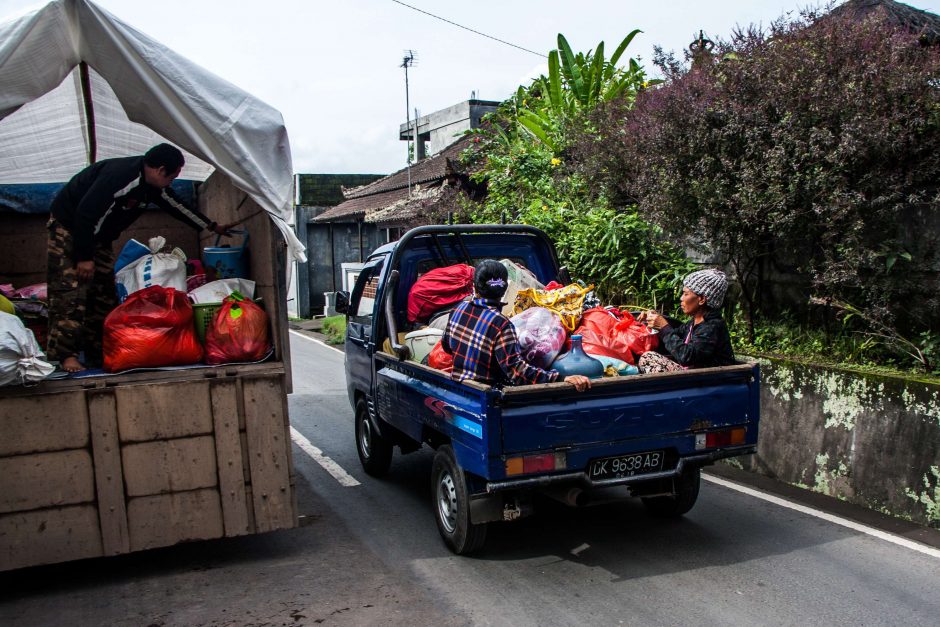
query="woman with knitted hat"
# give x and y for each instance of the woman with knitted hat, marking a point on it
(701, 342)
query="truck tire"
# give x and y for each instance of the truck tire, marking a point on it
(452, 504)
(687, 486)
(375, 452)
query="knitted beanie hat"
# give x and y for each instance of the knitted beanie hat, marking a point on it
(710, 284)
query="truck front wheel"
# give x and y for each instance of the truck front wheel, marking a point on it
(452, 504)
(375, 452)
(686, 485)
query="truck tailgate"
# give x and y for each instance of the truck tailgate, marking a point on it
(615, 411)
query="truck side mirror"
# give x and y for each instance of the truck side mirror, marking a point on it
(342, 303)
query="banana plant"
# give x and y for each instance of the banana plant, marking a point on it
(576, 83)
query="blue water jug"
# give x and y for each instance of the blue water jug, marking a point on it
(576, 361)
(227, 262)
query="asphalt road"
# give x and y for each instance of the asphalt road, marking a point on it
(368, 553)
(734, 559)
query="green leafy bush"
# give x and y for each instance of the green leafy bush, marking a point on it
(521, 156)
(800, 150)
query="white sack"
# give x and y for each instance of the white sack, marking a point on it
(21, 359)
(217, 291)
(164, 269)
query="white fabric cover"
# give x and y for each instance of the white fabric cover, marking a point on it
(21, 359)
(142, 93)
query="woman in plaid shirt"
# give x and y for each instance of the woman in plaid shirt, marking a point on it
(484, 342)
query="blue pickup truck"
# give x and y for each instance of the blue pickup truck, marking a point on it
(643, 436)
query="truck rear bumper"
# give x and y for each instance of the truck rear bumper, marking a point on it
(581, 477)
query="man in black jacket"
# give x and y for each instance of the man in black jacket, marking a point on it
(88, 215)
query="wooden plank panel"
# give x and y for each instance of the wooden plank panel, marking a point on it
(168, 519)
(109, 479)
(43, 422)
(169, 465)
(154, 412)
(46, 480)
(48, 536)
(268, 443)
(225, 417)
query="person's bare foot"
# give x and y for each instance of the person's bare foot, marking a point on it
(71, 364)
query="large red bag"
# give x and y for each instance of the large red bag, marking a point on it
(437, 289)
(151, 329)
(238, 332)
(615, 334)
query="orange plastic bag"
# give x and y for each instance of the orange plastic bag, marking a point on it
(440, 359)
(151, 329)
(238, 332)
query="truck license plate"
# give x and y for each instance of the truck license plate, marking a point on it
(626, 465)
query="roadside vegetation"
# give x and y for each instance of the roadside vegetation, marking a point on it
(334, 328)
(805, 159)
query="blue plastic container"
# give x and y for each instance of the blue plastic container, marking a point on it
(576, 361)
(227, 262)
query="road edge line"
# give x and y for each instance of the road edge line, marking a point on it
(316, 341)
(838, 520)
(344, 478)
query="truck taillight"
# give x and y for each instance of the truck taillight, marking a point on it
(543, 462)
(725, 437)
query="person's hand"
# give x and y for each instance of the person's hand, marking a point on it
(85, 270)
(579, 381)
(654, 320)
(224, 229)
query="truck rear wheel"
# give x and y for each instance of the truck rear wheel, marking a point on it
(452, 504)
(687, 485)
(375, 452)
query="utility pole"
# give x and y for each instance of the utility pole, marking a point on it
(409, 60)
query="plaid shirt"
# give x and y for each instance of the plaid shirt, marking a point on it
(486, 349)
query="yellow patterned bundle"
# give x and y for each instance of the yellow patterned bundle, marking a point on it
(567, 302)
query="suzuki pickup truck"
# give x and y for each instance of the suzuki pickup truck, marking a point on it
(645, 436)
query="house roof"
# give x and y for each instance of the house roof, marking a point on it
(915, 20)
(389, 197)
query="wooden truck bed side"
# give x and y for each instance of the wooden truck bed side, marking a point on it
(109, 465)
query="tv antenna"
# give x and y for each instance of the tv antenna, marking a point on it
(409, 60)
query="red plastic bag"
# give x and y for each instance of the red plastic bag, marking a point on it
(151, 329)
(615, 334)
(440, 359)
(238, 332)
(438, 288)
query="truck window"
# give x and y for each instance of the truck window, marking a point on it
(362, 301)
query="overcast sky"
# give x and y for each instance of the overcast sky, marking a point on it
(332, 66)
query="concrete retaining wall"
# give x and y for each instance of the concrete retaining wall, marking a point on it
(869, 440)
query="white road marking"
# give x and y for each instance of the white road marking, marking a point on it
(871, 531)
(316, 341)
(343, 477)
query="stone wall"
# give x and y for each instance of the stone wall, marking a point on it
(870, 440)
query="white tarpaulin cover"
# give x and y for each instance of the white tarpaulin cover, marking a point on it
(142, 93)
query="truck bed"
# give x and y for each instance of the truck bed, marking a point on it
(616, 416)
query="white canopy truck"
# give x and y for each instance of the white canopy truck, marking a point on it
(106, 465)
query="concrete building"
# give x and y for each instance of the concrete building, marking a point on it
(440, 129)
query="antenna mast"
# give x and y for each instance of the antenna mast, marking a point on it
(409, 60)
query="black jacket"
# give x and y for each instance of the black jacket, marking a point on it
(107, 197)
(709, 344)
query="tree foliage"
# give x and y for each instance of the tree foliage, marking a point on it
(521, 154)
(802, 148)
